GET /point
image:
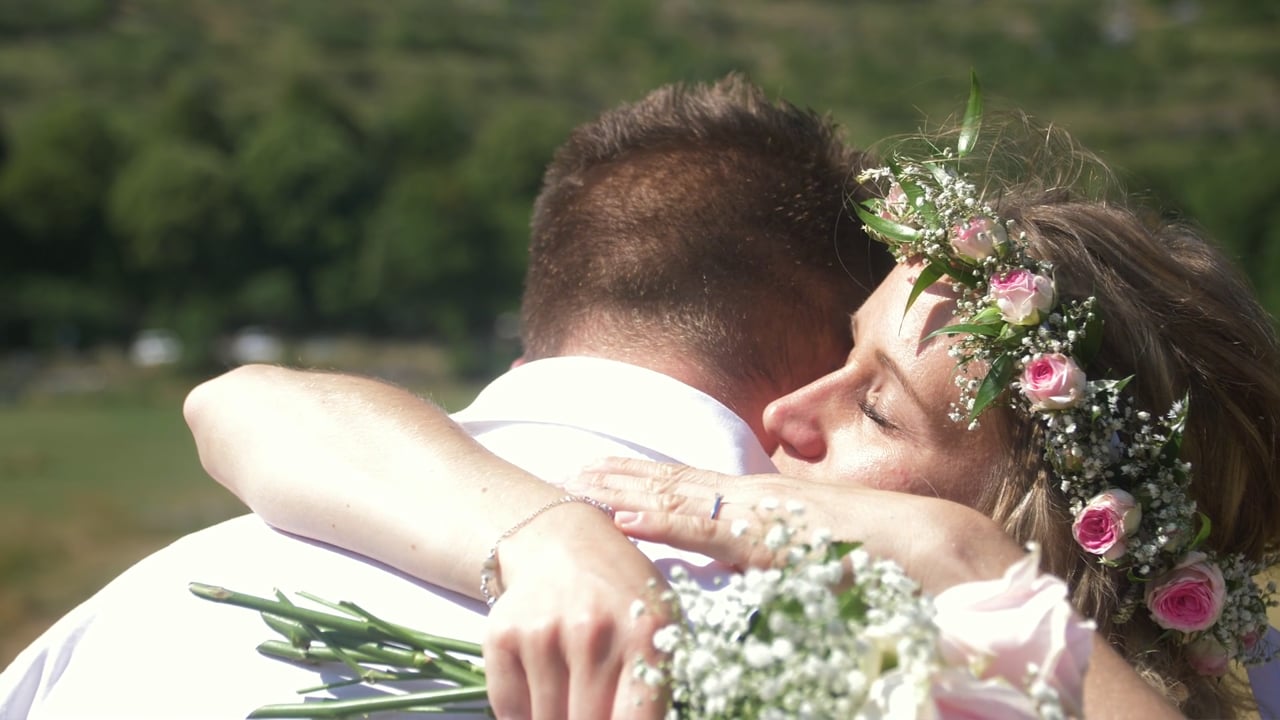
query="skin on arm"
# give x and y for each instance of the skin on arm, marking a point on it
(373, 468)
(364, 465)
(939, 543)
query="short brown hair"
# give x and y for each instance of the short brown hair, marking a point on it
(702, 219)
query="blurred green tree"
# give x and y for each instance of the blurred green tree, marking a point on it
(306, 182)
(176, 209)
(24, 17)
(54, 185)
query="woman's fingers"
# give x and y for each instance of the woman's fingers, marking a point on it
(634, 698)
(592, 683)
(734, 542)
(552, 667)
(506, 681)
(653, 477)
(564, 625)
(645, 501)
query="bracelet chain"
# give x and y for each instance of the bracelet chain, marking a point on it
(489, 569)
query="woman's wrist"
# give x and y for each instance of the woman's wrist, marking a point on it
(490, 571)
(567, 533)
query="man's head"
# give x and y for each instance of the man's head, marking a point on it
(702, 232)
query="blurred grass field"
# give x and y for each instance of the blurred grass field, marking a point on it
(91, 481)
(87, 490)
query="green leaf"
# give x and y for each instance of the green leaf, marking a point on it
(839, 548)
(853, 606)
(928, 276)
(989, 314)
(1092, 340)
(972, 118)
(993, 384)
(987, 329)
(888, 228)
(1203, 534)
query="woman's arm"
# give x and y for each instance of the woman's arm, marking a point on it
(939, 543)
(363, 465)
(372, 468)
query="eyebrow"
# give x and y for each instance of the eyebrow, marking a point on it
(896, 370)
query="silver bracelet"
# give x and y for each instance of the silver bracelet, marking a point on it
(489, 569)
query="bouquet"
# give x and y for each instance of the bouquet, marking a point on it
(828, 633)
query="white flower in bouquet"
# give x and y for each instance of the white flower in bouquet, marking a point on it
(834, 633)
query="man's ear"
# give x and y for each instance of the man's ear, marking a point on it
(518, 362)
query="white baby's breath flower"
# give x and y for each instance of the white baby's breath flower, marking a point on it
(805, 640)
(776, 538)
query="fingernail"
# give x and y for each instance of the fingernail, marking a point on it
(626, 517)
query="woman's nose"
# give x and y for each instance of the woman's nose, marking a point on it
(794, 421)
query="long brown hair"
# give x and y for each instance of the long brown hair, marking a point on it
(1179, 317)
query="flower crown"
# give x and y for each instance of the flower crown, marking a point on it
(1118, 466)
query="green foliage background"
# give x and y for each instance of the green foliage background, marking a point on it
(353, 166)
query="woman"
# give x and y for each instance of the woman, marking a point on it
(878, 453)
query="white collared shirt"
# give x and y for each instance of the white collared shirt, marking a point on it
(144, 647)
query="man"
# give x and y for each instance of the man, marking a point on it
(691, 259)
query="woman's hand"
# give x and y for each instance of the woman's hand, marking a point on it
(939, 543)
(563, 639)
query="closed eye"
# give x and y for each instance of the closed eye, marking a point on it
(874, 415)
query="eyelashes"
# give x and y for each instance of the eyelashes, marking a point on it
(874, 415)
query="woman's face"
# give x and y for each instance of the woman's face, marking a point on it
(882, 419)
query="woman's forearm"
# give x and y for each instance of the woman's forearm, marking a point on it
(360, 464)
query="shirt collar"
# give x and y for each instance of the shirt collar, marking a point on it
(626, 402)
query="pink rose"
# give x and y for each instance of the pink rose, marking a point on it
(958, 695)
(1189, 597)
(977, 238)
(1207, 656)
(895, 204)
(1105, 522)
(1052, 382)
(1019, 628)
(1022, 295)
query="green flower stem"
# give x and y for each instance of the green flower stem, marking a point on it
(372, 629)
(362, 641)
(415, 665)
(320, 655)
(422, 701)
(293, 631)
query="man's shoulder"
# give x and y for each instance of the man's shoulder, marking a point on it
(249, 555)
(147, 618)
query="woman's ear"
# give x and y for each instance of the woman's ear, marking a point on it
(517, 362)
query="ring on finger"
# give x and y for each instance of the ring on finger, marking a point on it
(715, 507)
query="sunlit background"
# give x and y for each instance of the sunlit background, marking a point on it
(185, 186)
